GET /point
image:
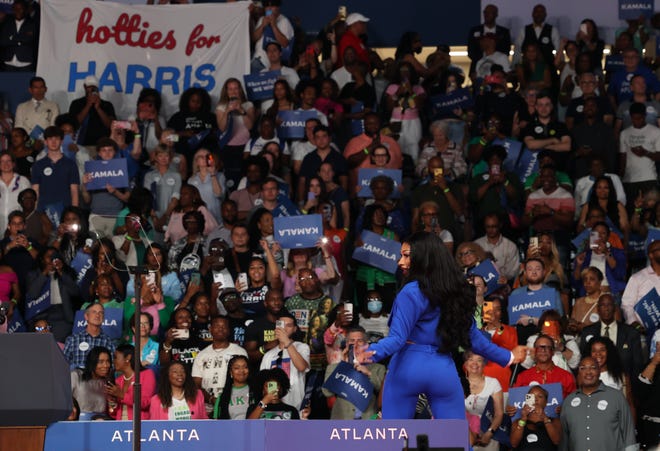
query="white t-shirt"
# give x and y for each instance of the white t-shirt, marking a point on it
(179, 410)
(211, 365)
(285, 28)
(475, 404)
(640, 169)
(297, 378)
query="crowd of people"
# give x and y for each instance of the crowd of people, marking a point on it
(548, 180)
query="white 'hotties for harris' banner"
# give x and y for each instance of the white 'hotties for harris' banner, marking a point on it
(167, 47)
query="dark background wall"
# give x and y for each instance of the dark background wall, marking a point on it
(438, 21)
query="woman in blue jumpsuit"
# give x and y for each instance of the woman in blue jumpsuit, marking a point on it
(432, 314)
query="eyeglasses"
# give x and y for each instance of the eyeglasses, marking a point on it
(42, 328)
(303, 278)
(373, 299)
(464, 253)
(587, 368)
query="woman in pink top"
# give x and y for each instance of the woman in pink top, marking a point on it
(178, 397)
(404, 98)
(121, 393)
(9, 292)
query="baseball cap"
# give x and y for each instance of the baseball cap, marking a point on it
(355, 17)
(91, 80)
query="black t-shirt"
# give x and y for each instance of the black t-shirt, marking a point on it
(364, 94)
(92, 128)
(576, 107)
(260, 330)
(239, 329)
(553, 129)
(312, 162)
(253, 301)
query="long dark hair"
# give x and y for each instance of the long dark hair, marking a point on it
(443, 285)
(614, 364)
(225, 397)
(165, 387)
(612, 202)
(184, 101)
(127, 351)
(92, 360)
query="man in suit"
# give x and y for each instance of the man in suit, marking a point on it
(18, 39)
(502, 36)
(626, 338)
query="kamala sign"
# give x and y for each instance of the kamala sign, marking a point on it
(130, 47)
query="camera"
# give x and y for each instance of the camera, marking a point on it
(3, 313)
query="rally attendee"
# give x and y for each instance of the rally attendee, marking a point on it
(93, 114)
(36, 112)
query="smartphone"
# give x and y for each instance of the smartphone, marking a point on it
(583, 28)
(594, 237)
(487, 311)
(348, 308)
(324, 240)
(434, 222)
(530, 400)
(210, 161)
(181, 334)
(272, 387)
(311, 196)
(243, 279)
(218, 277)
(351, 354)
(269, 12)
(73, 227)
(495, 169)
(279, 324)
(196, 278)
(173, 138)
(534, 241)
(342, 11)
(89, 242)
(438, 172)
(124, 125)
(150, 278)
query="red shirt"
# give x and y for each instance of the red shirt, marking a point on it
(348, 39)
(551, 376)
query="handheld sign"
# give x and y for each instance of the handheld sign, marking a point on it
(648, 310)
(378, 251)
(260, 86)
(37, 133)
(365, 175)
(486, 269)
(445, 104)
(528, 163)
(357, 125)
(633, 9)
(298, 231)
(613, 63)
(113, 172)
(293, 123)
(531, 303)
(16, 323)
(35, 306)
(113, 321)
(513, 151)
(503, 432)
(349, 384)
(555, 398)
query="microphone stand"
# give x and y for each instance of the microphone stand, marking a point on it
(137, 271)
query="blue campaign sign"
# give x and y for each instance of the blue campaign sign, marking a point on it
(54, 212)
(531, 303)
(293, 123)
(348, 383)
(503, 432)
(66, 142)
(285, 207)
(259, 86)
(513, 150)
(37, 132)
(378, 251)
(255, 435)
(633, 9)
(648, 310)
(298, 231)
(555, 398)
(113, 172)
(365, 175)
(113, 321)
(447, 103)
(35, 306)
(613, 63)
(528, 164)
(579, 241)
(16, 323)
(487, 270)
(81, 264)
